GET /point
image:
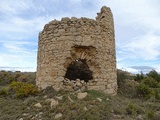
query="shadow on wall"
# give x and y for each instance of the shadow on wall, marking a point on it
(79, 69)
(82, 63)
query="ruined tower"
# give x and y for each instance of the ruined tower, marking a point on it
(78, 54)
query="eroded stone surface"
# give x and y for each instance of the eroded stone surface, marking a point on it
(64, 42)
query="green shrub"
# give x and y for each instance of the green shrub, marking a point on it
(150, 114)
(22, 89)
(50, 92)
(134, 109)
(151, 82)
(144, 91)
(139, 77)
(117, 111)
(129, 89)
(22, 78)
(157, 95)
(154, 74)
(121, 77)
(7, 78)
(155, 117)
(4, 91)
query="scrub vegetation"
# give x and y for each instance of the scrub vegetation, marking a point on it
(138, 98)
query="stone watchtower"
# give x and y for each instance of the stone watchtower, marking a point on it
(78, 54)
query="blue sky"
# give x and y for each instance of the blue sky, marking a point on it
(137, 30)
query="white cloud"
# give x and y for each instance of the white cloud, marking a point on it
(12, 47)
(144, 12)
(137, 32)
(27, 61)
(136, 22)
(132, 70)
(144, 47)
(22, 69)
(157, 68)
(10, 7)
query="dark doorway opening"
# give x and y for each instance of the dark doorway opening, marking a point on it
(79, 69)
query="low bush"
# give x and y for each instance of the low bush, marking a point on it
(139, 77)
(155, 117)
(154, 74)
(4, 91)
(134, 109)
(22, 89)
(144, 91)
(50, 92)
(7, 77)
(129, 89)
(157, 95)
(150, 114)
(151, 82)
(121, 77)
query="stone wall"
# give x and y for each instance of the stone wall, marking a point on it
(62, 43)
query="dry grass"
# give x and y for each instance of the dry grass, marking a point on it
(124, 106)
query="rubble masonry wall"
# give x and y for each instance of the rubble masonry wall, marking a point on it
(62, 42)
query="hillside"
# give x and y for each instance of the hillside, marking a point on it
(136, 100)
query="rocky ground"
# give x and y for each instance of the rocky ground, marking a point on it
(90, 105)
(76, 105)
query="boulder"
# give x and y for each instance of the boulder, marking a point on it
(38, 105)
(58, 115)
(54, 103)
(82, 95)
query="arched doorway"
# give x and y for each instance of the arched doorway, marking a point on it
(79, 69)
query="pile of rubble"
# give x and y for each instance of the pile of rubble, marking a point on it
(78, 84)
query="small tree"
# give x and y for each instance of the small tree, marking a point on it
(150, 82)
(154, 75)
(144, 91)
(139, 77)
(121, 77)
